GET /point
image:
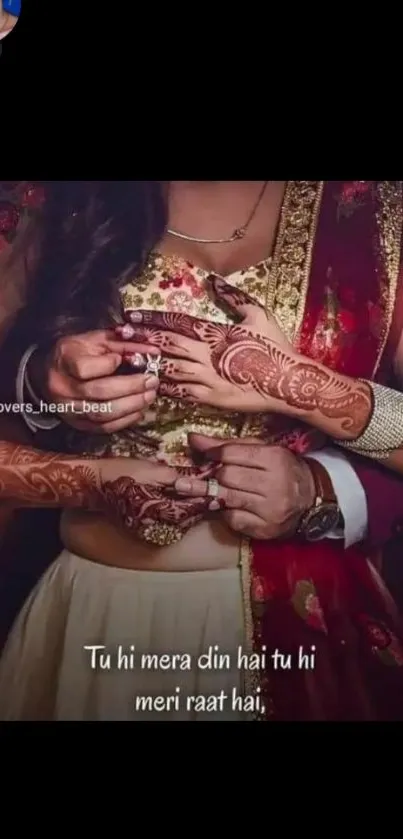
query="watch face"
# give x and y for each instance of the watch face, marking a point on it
(321, 521)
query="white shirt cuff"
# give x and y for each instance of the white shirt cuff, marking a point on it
(30, 410)
(350, 495)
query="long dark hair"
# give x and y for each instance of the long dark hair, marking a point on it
(94, 235)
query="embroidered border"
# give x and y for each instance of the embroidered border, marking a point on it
(390, 229)
(287, 291)
(286, 297)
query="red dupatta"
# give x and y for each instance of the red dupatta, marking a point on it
(336, 273)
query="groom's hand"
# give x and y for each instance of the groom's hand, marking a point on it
(81, 375)
(264, 490)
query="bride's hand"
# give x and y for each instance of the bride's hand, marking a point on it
(233, 367)
(138, 493)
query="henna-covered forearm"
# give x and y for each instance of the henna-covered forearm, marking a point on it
(30, 477)
(251, 367)
(335, 404)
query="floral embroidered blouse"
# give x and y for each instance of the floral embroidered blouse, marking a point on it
(171, 284)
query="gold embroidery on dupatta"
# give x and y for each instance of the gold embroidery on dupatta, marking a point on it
(288, 281)
(390, 222)
(287, 291)
(286, 296)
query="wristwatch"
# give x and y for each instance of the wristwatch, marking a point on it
(324, 515)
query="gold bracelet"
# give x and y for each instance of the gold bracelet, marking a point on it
(384, 432)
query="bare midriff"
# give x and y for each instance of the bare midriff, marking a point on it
(210, 545)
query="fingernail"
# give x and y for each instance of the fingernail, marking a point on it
(127, 331)
(150, 396)
(151, 383)
(182, 485)
(136, 360)
(136, 317)
(214, 505)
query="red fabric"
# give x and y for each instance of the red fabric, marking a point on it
(318, 599)
(322, 595)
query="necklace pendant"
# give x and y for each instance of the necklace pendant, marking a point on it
(239, 233)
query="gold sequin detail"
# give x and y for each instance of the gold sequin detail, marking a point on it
(287, 287)
(160, 534)
(286, 294)
(384, 432)
(131, 299)
(390, 226)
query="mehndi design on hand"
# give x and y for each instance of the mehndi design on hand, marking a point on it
(242, 356)
(31, 477)
(140, 506)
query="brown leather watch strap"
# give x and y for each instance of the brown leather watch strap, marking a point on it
(323, 485)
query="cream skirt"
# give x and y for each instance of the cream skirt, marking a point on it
(99, 643)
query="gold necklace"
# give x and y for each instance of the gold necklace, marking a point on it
(238, 233)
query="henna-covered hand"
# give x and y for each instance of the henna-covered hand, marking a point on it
(140, 495)
(134, 492)
(249, 367)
